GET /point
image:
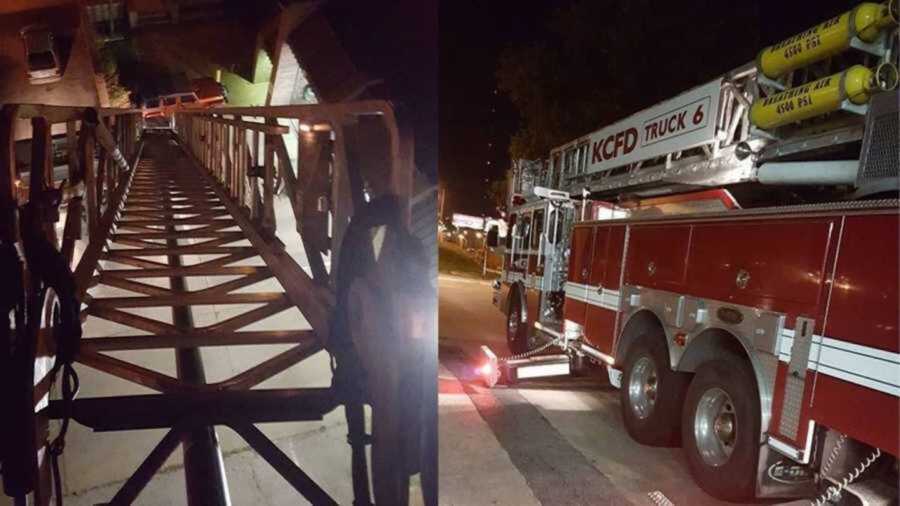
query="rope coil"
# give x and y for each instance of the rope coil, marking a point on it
(834, 491)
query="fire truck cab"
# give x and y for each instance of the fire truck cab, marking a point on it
(730, 256)
(530, 287)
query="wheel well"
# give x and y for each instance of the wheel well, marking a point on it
(709, 345)
(641, 323)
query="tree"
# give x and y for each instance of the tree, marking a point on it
(605, 59)
(118, 59)
(496, 194)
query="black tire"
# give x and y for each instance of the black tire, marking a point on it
(734, 479)
(516, 337)
(656, 423)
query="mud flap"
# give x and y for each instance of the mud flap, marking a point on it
(779, 476)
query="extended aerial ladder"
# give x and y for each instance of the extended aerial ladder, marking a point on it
(178, 220)
(809, 98)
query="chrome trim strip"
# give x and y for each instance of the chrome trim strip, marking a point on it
(855, 363)
(605, 298)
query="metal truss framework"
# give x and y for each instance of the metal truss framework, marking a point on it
(212, 187)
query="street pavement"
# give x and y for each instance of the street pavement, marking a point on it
(77, 87)
(549, 441)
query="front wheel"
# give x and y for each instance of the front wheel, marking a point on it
(515, 328)
(720, 428)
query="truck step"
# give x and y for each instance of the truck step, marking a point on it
(512, 370)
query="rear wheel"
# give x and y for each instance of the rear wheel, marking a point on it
(720, 428)
(652, 394)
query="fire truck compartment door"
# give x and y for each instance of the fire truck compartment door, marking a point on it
(657, 256)
(772, 264)
(601, 310)
(777, 265)
(857, 363)
(576, 303)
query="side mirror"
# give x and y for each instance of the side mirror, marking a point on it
(493, 237)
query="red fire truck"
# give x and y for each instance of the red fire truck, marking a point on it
(731, 257)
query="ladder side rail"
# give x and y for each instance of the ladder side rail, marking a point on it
(332, 128)
(34, 362)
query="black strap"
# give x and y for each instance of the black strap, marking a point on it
(50, 268)
(70, 385)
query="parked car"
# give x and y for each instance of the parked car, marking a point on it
(41, 55)
(166, 105)
(208, 88)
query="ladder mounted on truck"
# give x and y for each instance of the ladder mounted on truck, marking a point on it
(819, 108)
(795, 116)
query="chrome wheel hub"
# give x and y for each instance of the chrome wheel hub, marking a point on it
(642, 387)
(715, 427)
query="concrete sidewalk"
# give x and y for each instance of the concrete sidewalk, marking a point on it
(320, 449)
(474, 467)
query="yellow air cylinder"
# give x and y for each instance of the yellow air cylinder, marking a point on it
(855, 84)
(826, 39)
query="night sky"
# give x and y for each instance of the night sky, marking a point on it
(396, 41)
(475, 124)
(439, 61)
